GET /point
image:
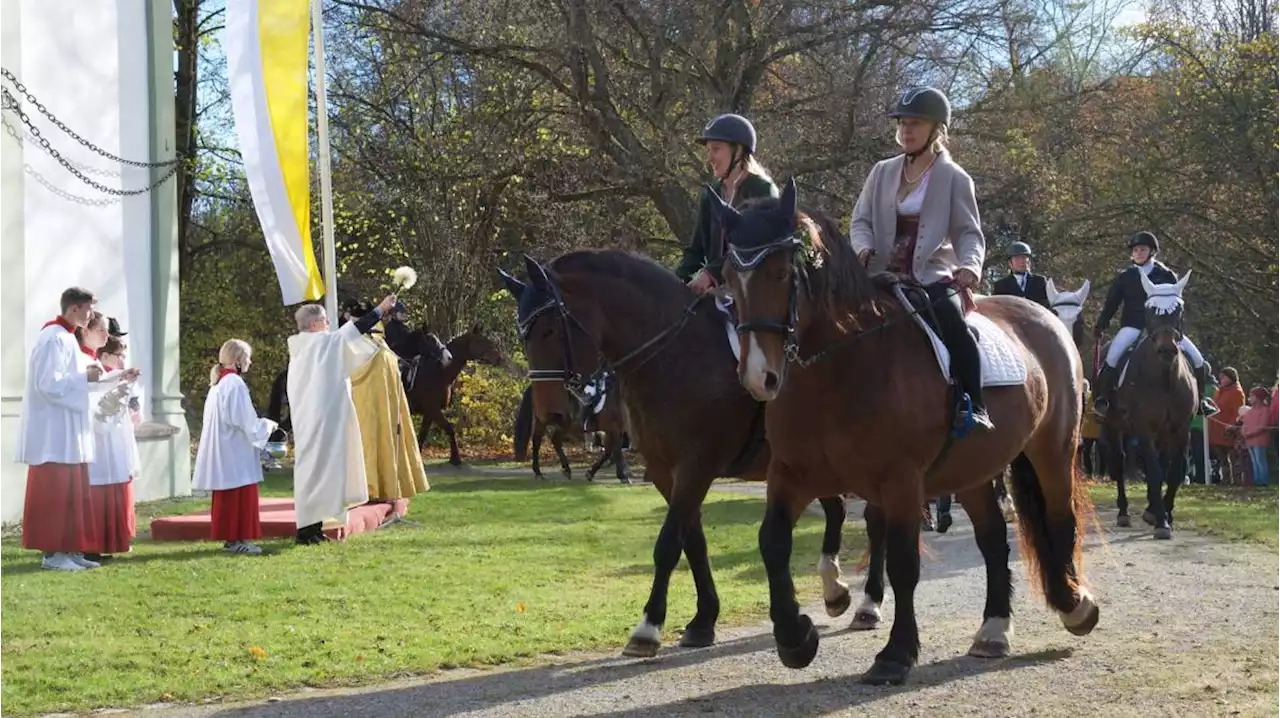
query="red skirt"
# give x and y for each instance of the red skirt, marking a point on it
(235, 514)
(58, 515)
(114, 503)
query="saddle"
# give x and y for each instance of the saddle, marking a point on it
(1002, 364)
(409, 372)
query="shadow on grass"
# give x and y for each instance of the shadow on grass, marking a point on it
(493, 691)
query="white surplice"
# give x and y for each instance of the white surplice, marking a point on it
(115, 459)
(55, 425)
(233, 433)
(328, 473)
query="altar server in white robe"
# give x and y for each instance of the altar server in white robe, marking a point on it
(328, 473)
(115, 460)
(227, 460)
(55, 440)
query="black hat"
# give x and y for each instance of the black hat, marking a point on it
(113, 327)
(1144, 239)
(734, 129)
(924, 102)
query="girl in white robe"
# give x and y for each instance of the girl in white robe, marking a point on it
(115, 457)
(227, 458)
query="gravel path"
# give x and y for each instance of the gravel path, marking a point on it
(1188, 626)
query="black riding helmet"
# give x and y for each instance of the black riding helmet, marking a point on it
(1019, 249)
(734, 129)
(925, 103)
(1144, 239)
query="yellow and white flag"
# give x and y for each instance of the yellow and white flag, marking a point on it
(266, 45)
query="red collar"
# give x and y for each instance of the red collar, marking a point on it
(92, 354)
(225, 371)
(60, 322)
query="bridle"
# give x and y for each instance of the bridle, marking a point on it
(745, 260)
(576, 382)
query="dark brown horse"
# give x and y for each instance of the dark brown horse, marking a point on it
(858, 404)
(608, 310)
(607, 418)
(1153, 408)
(432, 387)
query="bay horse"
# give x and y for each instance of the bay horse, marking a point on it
(594, 310)
(858, 403)
(432, 388)
(1155, 401)
(608, 418)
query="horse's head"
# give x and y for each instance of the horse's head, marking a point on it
(559, 347)
(1069, 306)
(775, 252)
(1164, 315)
(473, 345)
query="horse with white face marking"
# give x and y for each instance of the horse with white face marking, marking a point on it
(1069, 306)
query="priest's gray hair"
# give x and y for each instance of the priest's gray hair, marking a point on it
(307, 314)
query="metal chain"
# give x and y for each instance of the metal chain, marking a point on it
(29, 170)
(60, 125)
(23, 137)
(12, 104)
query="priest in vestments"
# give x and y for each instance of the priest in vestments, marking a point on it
(56, 442)
(328, 473)
(392, 460)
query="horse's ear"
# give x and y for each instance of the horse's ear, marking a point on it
(1051, 291)
(477, 329)
(1147, 286)
(729, 217)
(1084, 291)
(538, 278)
(515, 286)
(787, 204)
(1182, 283)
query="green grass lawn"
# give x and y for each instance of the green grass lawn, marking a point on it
(501, 569)
(1243, 513)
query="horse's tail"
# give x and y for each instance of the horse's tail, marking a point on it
(524, 425)
(1051, 539)
(275, 405)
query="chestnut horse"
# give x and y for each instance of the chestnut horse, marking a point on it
(858, 404)
(605, 310)
(1153, 407)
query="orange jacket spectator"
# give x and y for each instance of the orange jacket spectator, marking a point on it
(1229, 398)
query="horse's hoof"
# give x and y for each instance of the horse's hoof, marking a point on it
(838, 606)
(992, 639)
(1163, 533)
(1123, 521)
(624, 480)
(803, 653)
(1149, 518)
(989, 649)
(697, 637)
(885, 673)
(865, 621)
(539, 477)
(591, 477)
(944, 522)
(641, 647)
(1089, 608)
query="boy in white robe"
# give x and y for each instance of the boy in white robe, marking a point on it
(328, 474)
(227, 457)
(55, 440)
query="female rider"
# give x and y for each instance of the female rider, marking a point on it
(917, 217)
(730, 143)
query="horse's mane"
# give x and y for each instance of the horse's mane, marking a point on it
(842, 287)
(655, 280)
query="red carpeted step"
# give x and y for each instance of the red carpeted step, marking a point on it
(278, 521)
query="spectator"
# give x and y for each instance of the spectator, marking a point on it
(1255, 429)
(1229, 397)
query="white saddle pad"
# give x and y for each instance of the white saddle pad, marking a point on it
(1002, 365)
(723, 303)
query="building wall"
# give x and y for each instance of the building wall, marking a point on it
(60, 231)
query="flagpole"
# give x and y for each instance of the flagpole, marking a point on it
(326, 187)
